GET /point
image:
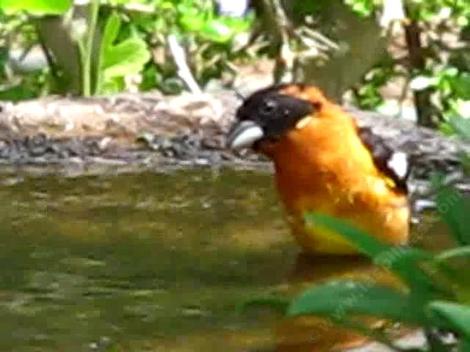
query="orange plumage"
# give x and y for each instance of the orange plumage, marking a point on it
(322, 165)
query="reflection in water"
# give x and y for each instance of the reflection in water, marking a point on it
(147, 262)
(311, 334)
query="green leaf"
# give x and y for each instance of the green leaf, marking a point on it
(338, 299)
(461, 85)
(36, 7)
(117, 61)
(403, 261)
(238, 25)
(364, 242)
(363, 8)
(18, 92)
(454, 253)
(125, 58)
(461, 126)
(451, 316)
(217, 31)
(454, 208)
(111, 31)
(464, 345)
(393, 256)
(192, 23)
(409, 264)
(114, 85)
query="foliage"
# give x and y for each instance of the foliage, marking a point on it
(362, 7)
(437, 294)
(36, 7)
(109, 44)
(116, 57)
(444, 75)
(212, 42)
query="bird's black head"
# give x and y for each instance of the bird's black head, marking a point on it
(267, 115)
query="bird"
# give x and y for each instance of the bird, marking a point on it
(325, 163)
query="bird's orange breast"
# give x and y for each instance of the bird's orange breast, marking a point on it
(324, 167)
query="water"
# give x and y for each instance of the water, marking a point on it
(149, 262)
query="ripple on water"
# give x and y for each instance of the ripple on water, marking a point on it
(137, 261)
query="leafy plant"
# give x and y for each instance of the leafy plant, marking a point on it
(212, 42)
(89, 62)
(436, 69)
(105, 46)
(118, 60)
(436, 293)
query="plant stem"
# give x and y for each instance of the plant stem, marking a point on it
(88, 49)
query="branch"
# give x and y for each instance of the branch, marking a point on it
(184, 72)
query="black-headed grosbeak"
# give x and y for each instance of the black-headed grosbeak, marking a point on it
(325, 163)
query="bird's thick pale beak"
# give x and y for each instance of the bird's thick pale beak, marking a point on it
(244, 134)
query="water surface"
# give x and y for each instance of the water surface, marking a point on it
(148, 262)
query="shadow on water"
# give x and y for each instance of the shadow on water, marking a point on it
(148, 262)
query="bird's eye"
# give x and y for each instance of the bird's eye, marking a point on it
(268, 107)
